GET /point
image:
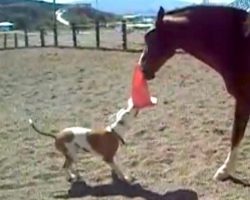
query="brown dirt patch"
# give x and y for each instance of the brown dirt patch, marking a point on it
(60, 88)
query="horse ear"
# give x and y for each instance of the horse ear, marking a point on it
(160, 16)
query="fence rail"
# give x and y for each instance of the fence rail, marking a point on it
(96, 35)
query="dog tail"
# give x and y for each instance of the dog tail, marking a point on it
(40, 132)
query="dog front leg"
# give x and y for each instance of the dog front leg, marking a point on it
(117, 171)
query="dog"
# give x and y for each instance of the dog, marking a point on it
(102, 142)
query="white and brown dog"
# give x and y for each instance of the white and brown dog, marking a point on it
(103, 142)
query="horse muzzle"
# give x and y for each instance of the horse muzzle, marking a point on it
(148, 75)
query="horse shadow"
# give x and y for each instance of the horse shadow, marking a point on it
(238, 181)
(121, 188)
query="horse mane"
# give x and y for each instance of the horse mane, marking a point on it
(193, 14)
(180, 10)
(197, 7)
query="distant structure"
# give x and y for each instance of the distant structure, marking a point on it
(205, 1)
(85, 5)
(6, 26)
(81, 5)
(139, 18)
(138, 21)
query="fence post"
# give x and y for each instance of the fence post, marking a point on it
(42, 37)
(16, 40)
(124, 35)
(5, 40)
(26, 38)
(97, 31)
(73, 27)
(55, 36)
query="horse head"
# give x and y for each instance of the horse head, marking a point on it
(160, 43)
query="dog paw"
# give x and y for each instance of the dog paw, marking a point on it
(126, 179)
(129, 179)
(72, 178)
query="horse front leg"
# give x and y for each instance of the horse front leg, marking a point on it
(241, 117)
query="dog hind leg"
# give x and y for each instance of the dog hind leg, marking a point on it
(71, 159)
(67, 166)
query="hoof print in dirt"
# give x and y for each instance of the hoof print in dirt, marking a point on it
(162, 127)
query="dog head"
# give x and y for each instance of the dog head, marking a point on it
(124, 117)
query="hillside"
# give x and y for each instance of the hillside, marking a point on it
(26, 14)
(84, 15)
(138, 6)
(33, 14)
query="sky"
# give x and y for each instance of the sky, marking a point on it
(212, 1)
(130, 6)
(191, 1)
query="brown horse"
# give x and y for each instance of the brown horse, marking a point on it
(216, 36)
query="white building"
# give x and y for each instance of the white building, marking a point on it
(6, 26)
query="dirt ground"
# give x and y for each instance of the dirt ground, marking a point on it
(172, 151)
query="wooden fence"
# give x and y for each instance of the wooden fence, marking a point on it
(95, 36)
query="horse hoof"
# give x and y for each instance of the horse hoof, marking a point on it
(221, 174)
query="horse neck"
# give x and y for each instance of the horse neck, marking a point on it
(198, 50)
(212, 43)
(203, 49)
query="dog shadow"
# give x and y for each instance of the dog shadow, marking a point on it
(118, 187)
